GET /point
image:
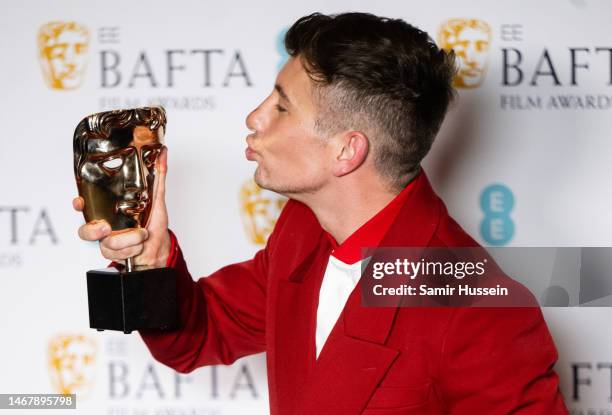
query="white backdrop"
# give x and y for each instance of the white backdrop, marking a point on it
(514, 166)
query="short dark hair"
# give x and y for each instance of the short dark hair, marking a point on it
(381, 76)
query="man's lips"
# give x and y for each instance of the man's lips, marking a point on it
(250, 154)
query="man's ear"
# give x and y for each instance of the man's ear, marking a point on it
(353, 147)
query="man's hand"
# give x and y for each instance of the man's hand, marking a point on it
(150, 246)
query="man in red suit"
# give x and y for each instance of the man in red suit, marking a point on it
(342, 134)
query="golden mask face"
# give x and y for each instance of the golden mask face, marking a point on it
(72, 363)
(259, 210)
(62, 48)
(115, 155)
(471, 40)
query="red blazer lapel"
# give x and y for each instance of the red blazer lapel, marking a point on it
(418, 219)
(414, 226)
(296, 273)
(355, 358)
(345, 375)
(294, 342)
(295, 242)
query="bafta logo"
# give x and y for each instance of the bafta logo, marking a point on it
(259, 210)
(72, 363)
(471, 40)
(62, 48)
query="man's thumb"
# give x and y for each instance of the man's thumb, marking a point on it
(161, 168)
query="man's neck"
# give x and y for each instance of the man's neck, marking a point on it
(345, 207)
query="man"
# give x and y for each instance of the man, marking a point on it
(342, 134)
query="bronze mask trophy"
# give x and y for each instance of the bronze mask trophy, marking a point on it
(115, 153)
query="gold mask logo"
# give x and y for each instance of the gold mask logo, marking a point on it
(62, 52)
(72, 363)
(471, 40)
(259, 210)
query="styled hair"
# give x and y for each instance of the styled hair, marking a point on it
(104, 124)
(381, 76)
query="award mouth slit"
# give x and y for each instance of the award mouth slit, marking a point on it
(129, 207)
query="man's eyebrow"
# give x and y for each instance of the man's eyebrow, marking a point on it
(282, 93)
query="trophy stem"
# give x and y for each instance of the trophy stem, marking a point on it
(129, 266)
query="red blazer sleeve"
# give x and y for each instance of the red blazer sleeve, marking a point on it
(508, 369)
(222, 316)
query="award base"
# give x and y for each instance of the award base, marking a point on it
(127, 301)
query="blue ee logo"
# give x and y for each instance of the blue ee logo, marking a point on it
(496, 202)
(280, 47)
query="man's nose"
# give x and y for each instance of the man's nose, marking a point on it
(255, 121)
(135, 179)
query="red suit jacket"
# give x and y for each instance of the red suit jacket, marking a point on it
(376, 361)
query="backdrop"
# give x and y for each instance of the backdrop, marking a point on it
(522, 160)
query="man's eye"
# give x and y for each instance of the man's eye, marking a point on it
(112, 164)
(280, 109)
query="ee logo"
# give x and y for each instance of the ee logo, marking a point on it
(496, 202)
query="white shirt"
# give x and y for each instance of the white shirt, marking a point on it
(339, 281)
(340, 278)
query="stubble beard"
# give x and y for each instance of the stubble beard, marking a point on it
(290, 191)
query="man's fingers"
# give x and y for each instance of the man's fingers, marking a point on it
(124, 244)
(125, 239)
(78, 203)
(94, 231)
(121, 254)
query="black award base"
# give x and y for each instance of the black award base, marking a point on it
(127, 301)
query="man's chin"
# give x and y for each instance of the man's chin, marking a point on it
(260, 181)
(265, 184)
(292, 191)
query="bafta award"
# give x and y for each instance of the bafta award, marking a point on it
(115, 154)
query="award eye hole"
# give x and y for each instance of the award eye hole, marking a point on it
(150, 157)
(112, 164)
